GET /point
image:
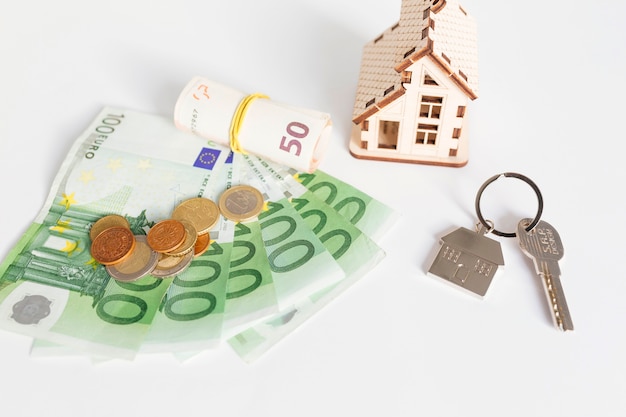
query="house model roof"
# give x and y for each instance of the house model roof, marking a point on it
(439, 29)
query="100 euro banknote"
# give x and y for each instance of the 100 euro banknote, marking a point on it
(354, 252)
(127, 163)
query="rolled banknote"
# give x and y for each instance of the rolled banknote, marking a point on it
(253, 123)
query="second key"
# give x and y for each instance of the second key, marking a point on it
(543, 244)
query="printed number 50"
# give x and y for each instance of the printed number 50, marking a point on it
(297, 131)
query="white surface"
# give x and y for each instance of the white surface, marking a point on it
(398, 343)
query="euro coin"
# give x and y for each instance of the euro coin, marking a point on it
(106, 222)
(140, 263)
(201, 212)
(190, 240)
(240, 203)
(202, 244)
(166, 235)
(169, 266)
(113, 245)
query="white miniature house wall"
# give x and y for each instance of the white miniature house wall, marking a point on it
(414, 86)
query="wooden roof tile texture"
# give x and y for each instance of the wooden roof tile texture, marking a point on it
(455, 35)
(440, 27)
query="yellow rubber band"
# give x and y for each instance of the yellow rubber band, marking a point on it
(238, 117)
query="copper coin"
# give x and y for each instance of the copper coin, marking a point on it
(190, 240)
(166, 235)
(201, 212)
(140, 263)
(241, 202)
(106, 222)
(113, 245)
(202, 244)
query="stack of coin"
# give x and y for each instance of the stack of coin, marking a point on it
(167, 249)
(196, 216)
(174, 240)
(140, 263)
(202, 214)
(125, 256)
(171, 244)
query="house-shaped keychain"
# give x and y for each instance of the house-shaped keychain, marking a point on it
(468, 259)
(415, 82)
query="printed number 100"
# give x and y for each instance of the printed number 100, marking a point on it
(295, 130)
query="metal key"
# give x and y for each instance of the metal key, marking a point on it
(544, 246)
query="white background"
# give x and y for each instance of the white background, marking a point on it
(398, 343)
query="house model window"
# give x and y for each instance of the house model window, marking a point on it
(388, 134)
(415, 82)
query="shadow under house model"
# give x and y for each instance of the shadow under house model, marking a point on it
(415, 82)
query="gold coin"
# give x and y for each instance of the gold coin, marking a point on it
(166, 235)
(190, 240)
(241, 202)
(106, 222)
(201, 212)
(113, 245)
(167, 261)
(140, 263)
(171, 265)
(202, 244)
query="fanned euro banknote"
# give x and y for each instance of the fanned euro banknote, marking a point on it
(259, 279)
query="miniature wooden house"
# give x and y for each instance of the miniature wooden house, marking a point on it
(468, 259)
(415, 82)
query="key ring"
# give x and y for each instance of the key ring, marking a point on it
(514, 175)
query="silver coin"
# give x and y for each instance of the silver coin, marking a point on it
(139, 264)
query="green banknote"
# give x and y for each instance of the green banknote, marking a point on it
(368, 214)
(250, 291)
(300, 262)
(191, 315)
(373, 217)
(128, 163)
(250, 295)
(348, 245)
(354, 251)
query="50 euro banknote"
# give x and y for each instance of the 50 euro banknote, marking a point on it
(254, 124)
